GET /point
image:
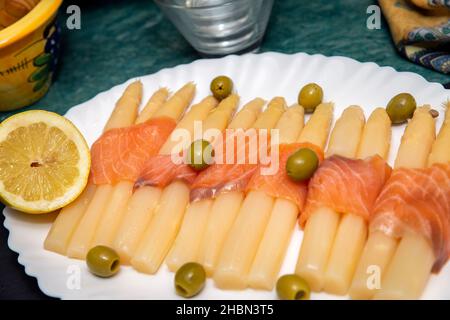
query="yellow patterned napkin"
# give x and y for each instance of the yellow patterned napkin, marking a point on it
(421, 30)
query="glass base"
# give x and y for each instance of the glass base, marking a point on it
(252, 48)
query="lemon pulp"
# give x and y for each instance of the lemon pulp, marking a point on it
(42, 164)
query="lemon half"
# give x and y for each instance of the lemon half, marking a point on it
(44, 161)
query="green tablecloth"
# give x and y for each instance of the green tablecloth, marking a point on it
(123, 39)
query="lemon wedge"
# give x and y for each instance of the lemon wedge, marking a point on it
(44, 161)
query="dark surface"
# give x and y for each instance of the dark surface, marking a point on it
(123, 39)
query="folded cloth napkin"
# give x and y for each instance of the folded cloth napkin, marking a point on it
(421, 30)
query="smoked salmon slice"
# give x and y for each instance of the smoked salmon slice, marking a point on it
(279, 185)
(119, 154)
(346, 185)
(417, 200)
(162, 170)
(236, 158)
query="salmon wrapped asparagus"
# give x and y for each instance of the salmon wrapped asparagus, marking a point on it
(377, 257)
(233, 147)
(289, 198)
(112, 215)
(319, 231)
(421, 225)
(417, 200)
(254, 227)
(141, 204)
(168, 215)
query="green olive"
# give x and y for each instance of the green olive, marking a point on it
(310, 96)
(302, 164)
(292, 287)
(401, 108)
(200, 154)
(103, 261)
(190, 279)
(221, 87)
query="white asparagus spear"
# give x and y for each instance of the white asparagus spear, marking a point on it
(173, 145)
(63, 227)
(379, 248)
(440, 151)
(187, 242)
(407, 271)
(226, 205)
(137, 216)
(242, 241)
(321, 226)
(84, 233)
(142, 203)
(277, 234)
(351, 234)
(231, 269)
(410, 266)
(126, 110)
(153, 105)
(163, 227)
(291, 124)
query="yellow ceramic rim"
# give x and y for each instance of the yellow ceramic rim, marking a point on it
(40, 14)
